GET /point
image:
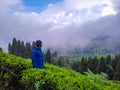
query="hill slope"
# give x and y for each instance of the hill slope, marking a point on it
(17, 73)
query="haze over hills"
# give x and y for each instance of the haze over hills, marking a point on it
(98, 45)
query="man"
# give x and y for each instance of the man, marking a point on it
(37, 55)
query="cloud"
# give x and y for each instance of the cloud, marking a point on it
(116, 4)
(9, 5)
(60, 25)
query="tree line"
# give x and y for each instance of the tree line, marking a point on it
(107, 64)
(19, 48)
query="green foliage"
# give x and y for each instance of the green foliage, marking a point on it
(10, 70)
(17, 74)
(100, 78)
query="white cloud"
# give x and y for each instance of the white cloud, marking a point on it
(79, 4)
(78, 10)
(108, 11)
(70, 23)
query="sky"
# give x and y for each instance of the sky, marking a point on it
(60, 24)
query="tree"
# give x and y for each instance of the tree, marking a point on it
(28, 50)
(60, 61)
(117, 73)
(83, 65)
(12, 47)
(33, 45)
(92, 64)
(48, 56)
(114, 62)
(54, 54)
(109, 68)
(18, 48)
(1, 49)
(101, 65)
(9, 48)
(108, 59)
(22, 50)
(75, 65)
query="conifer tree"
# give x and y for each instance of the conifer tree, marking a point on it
(60, 61)
(1, 49)
(83, 65)
(92, 64)
(117, 73)
(18, 48)
(48, 56)
(109, 68)
(28, 50)
(54, 54)
(9, 48)
(22, 50)
(95, 64)
(76, 66)
(101, 65)
(114, 62)
(14, 46)
(108, 60)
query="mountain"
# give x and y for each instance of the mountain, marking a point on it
(98, 45)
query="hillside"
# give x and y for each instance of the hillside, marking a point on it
(17, 73)
(98, 45)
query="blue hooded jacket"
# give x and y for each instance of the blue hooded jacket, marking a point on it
(37, 58)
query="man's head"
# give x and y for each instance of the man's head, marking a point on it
(38, 43)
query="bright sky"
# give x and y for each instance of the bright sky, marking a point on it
(38, 5)
(58, 21)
